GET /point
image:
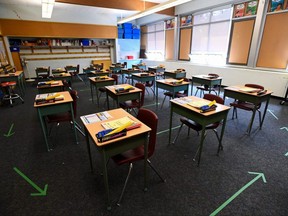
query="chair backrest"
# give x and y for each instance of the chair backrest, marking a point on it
(255, 86)
(73, 94)
(212, 97)
(150, 119)
(213, 75)
(42, 71)
(142, 87)
(115, 77)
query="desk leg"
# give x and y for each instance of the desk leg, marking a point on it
(88, 148)
(97, 95)
(107, 99)
(145, 163)
(43, 129)
(192, 84)
(157, 97)
(105, 176)
(219, 87)
(170, 123)
(201, 144)
(265, 109)
(252, 120)
(91, 89)
(220, 146)
(74, 125)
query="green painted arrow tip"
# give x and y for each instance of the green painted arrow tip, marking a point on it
(261, 175)
(41, 192)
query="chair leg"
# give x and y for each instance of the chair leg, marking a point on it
(79, 77)
(259, 116)
(220, 147)
(196, 92)
(178, 134)
(234, 113)
(150, 164)
(125, 184)
(163, 101)
(194, 158)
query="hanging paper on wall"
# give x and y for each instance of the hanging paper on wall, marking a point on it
(239, 10)
(251, 8)
(277, 5)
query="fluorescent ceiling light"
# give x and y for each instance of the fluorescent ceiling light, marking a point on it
(47, 8)
(155, 9)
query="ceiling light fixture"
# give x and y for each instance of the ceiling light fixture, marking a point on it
(155, 9)
(47, 8)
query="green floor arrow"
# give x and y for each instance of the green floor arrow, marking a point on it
(9, 132)
(286, 128)
(259, 175)
(41, 192)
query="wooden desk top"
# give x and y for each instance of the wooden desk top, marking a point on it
(95, 80)
(112, 89)
(62, 75)
(246, 90)
(94, 128)
(174, 71)
(100, 71)
(60, 84)
(156, 67)
(206, 77)
(145, 74)
(170, 82)
(58, 70)
(17, 73)
(130, 70)
(183, 102)
(67, 98)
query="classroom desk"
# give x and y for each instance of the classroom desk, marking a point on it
(133, 94)
(18, 77)
(236, 93)
(159, 71)
(139, 66)
(167, 85)
(63, 76)
(101, 73)
(206, 80)
(59, 70)
(97, 83)
(55, 108)
(116, 69)
(51, 88)
(174, 74)
(203, 119)
(128, 72)
(144, 77)
(133, 139)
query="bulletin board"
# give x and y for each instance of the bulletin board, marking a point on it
(240, 42)
(169, 45)
(273, 51)
(185, 43)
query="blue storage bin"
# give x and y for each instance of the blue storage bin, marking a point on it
(85, 42)
(135, 36)
(127, 36)
(120, 31)
(136, 31)
(127, 31)
(120, 35)
(127, 25)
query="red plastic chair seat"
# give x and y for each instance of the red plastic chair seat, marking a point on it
(129, 156)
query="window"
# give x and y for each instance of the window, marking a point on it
(155, 41)
(210, 37)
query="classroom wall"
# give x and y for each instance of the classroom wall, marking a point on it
(272, 80)
(75, 14)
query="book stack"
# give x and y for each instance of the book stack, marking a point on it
(48, 98)
(47, 84)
